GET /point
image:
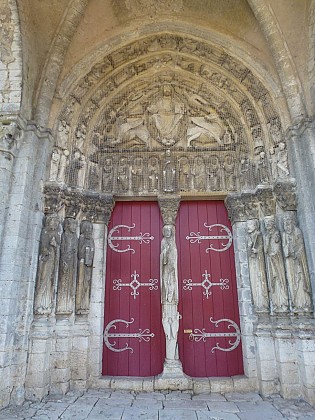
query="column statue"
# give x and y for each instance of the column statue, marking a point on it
(275, 266)
(296, 266)
(86, 251)
(257, 267)
(67, 268)
(47, 265)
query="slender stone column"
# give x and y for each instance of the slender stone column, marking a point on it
(172, 376)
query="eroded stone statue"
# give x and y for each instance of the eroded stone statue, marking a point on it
(169, 290)
(275, 266)
(169, 173)
(296, 266)
(86, 251)
(67, 268)
(47, 265)
(257, 268)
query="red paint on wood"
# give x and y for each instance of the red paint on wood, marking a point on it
(146, 357)
(195, 307)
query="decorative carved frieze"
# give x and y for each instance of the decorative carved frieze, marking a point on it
(97, 207)
(169, 207)
(285, 192)
(94, 207)
(54, 196)
(267, 201)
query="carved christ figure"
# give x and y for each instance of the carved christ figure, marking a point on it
(47, 266)
(166, 114)
(275, 266)
(296, 266)
(67, 268)
(257, 268)
(86, 251)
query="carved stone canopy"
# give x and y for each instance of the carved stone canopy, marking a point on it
(169, 207)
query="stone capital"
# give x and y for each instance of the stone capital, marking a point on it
(169, 207)
(97, 207)
(285, 192)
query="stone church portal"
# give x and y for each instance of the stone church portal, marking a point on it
(156, 178)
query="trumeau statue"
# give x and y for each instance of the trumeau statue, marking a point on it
(169, 276)
(169, 290)
(296, 266)
(86, 251)
(47, 265)
(275, 266)
(67, 268)
(257, 268)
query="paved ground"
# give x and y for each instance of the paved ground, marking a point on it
(124, 405)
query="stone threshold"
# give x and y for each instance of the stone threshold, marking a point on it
(238, 383)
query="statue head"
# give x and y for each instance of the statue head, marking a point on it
(270, 223)
(86, 229)
(281, 145)
(168, 231)
(70, 225)
(51, 222)
(252, 225)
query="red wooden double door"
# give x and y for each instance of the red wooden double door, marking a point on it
(209, 334)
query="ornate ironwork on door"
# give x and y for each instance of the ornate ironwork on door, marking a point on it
(209, 335)
(134, 343)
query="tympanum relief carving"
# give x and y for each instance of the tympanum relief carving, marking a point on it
(168, 114)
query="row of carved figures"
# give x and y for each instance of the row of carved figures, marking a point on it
(278, 267)
(65, 259)
(169, 173)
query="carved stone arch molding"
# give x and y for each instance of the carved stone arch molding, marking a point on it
(168, 113)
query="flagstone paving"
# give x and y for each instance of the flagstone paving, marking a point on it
(97, 404)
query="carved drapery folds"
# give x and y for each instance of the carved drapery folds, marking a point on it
(160, 116)
(65, 256)
(278, 268)
(47, 265)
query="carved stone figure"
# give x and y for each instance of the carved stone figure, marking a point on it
(230, 177)
(168, 265)
(262, 176)
(80, 136)
(64, 161)
(166, 115)
(275, 266)
(205, 131)
(169, 290)
(107, 178)
(94, 177)
(81, 171)
(86, 250)
(123, 175)
(54, 165)
(137, 175)
(63, 134)
(153, 174)
(213, 172)
(199, 174)
(257, 267)
(245, 173)
(170, 321)
(169, 173)
(73, 169)
(296, 266)
(67, 268)
(184, 174)
(282, 161)
(47, 265)
(133, 132)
